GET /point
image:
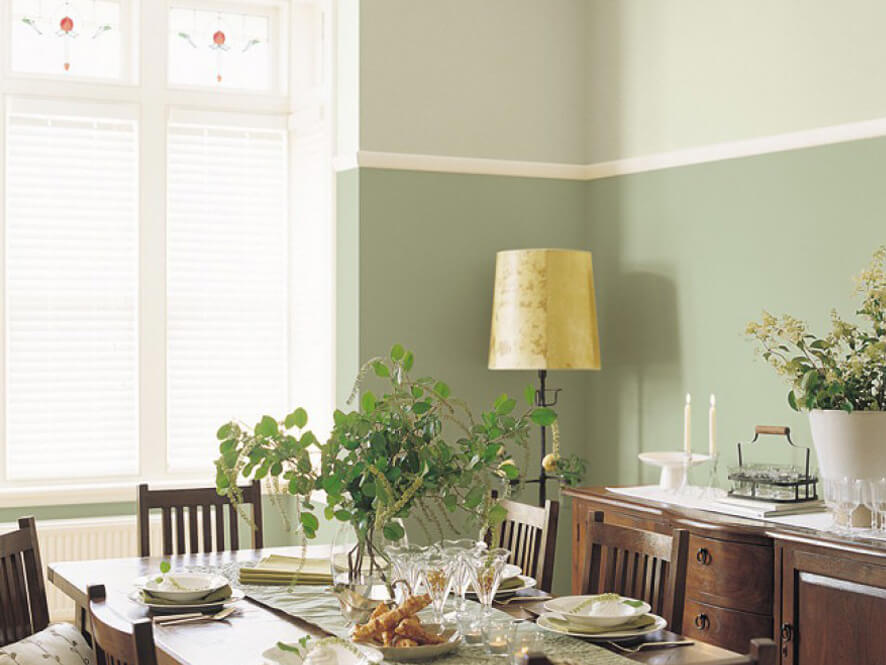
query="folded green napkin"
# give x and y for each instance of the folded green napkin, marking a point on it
(285, 581)
(279, 570)
(636, 623)
(217, 596)
(511, 583)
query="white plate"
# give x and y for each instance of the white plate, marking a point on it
(180, 608)
(544, 622)
(195, 586)
(565, 605)
(426, 651)
(528, 583)
(343, 655)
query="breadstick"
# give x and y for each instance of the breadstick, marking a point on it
(391, 618)
(413, 629)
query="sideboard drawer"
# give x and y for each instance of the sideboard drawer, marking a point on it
(730, 574)
(723, 627)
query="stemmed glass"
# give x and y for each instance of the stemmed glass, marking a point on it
(436, 574)
(849, 499)
(461, 579)
(878, 498)
(865, 492)
(406, 562)
(830, 489)
(486, 573)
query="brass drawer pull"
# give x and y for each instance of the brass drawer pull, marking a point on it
(702, 622)
(703, 556)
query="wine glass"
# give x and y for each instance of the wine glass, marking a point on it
(486, 573)
(829, 491)
(461, 578)
(865, 492)
(406, 562)
(436, 575)
(878, 492)
(848, 499)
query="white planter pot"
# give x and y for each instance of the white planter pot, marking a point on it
(849, 444)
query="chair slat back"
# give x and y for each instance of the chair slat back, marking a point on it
(117, 641)
(639, 564)
(189, 513)
(530, 533)
(23, 606)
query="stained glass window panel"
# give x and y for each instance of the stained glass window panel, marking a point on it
(77, 38)
(220, 49)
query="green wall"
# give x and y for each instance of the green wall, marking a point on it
(683, 258)
(427, 259)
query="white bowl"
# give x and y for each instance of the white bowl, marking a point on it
(426, 651)
(623, 611)
(184, 587)
(343, 655)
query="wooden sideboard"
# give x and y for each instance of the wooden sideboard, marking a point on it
(822, 597)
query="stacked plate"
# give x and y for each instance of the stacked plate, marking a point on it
(177, 592)
(603, 617)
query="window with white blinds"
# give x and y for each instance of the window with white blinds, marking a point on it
(71, 287)
(227, 294)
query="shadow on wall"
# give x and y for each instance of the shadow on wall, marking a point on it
(641, 360)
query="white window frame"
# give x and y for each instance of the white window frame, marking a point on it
(306, 106)
(129, 67)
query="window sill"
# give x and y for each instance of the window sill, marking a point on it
(86, 493)
(108, 492)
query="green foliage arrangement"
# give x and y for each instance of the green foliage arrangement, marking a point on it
(413, 450)
(846, 369)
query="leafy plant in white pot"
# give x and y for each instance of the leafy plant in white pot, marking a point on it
(840, 379)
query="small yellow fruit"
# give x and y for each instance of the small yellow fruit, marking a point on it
(549, 463)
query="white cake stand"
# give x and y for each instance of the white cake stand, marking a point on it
(672, 465)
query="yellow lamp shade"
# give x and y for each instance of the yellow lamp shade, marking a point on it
(544, 315)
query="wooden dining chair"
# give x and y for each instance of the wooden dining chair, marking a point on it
(25, 633)
(195, 510)
(530, 533)
(763, 652)
(116, 640)
(640, 564)
(23, 607)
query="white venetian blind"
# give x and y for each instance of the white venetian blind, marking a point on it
(226, 278)
(71, 290)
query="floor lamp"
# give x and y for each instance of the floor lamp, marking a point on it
(544, 317)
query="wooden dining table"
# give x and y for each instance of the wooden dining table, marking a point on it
(241, 639)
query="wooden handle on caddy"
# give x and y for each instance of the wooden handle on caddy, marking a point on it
(779, 430)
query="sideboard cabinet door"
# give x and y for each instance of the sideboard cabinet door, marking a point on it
(833, 607)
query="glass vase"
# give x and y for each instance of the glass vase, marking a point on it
(361, 572)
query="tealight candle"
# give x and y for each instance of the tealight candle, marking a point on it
(495, 635)
(521, 656)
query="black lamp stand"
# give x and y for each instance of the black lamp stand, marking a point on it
(541, 400)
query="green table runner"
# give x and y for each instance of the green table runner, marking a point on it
(317, 605)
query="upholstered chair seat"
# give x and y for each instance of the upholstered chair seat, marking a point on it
(57, 644)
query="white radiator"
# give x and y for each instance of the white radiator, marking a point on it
(81, 539)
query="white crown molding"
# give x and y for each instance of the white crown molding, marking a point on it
(715, 152)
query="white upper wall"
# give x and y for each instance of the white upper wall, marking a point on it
(588, 81)
(479, 78)
(671, 74)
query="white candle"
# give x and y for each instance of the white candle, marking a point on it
(712, 427)
(687, 424)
